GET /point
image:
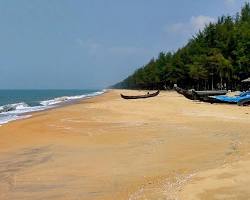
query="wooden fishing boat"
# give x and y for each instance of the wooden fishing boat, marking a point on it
(210, 92)
(141, 96)
(211, 99)
(186, 93)
(199, 95)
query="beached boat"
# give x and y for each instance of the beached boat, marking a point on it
(186, 93)
(242, 99)
(199, 95)
(141, 96)
(244, 102)
(210, 92)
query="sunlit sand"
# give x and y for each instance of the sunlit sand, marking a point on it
(165, 147)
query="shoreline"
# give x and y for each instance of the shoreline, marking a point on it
(29, 114)
(109, 148)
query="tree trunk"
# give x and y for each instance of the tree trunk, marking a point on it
(221, 81)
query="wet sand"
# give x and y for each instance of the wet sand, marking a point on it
(165, 147)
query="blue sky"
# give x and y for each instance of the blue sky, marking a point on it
(66, 44)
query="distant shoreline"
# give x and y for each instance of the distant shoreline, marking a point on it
(26, 115)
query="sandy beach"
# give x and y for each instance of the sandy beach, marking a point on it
(106, 147)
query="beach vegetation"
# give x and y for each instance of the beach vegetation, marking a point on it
(217, 57)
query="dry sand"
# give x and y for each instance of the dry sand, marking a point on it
(165, 147)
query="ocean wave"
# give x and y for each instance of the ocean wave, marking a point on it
(64, 99)
(17, 111)
(14, 107)
(12, 112)
(19, 108)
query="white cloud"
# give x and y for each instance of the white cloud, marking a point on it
(177, 27)
(94, 48)
(127, 50)
(79, 41)
(199, 22)
(91, 46)
(192, 26)
(229, 2)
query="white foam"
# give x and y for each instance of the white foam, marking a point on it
(21, 108)
(8, 118)
(11, 107)
(64, 99)
(52, 101)
(16, 111)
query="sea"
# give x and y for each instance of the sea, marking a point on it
(19, 104)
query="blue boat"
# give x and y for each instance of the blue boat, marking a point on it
(242, 99)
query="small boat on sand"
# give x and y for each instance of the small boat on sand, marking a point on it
(215, 96)
(242, 99)
(198, 95)
(244, 102)
(141, 96)
(210, 92)
(186, 93)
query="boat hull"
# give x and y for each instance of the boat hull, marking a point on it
(186, 93)
(244, 102)
(140, 96)
(199, 95)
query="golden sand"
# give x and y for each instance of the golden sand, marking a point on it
(103, 148)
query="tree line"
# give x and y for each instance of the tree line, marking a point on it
(216, 57)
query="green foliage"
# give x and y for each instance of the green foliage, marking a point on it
(217, 56)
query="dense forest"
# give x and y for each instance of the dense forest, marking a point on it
(216, 57)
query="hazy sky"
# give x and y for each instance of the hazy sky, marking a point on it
(93, 43)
